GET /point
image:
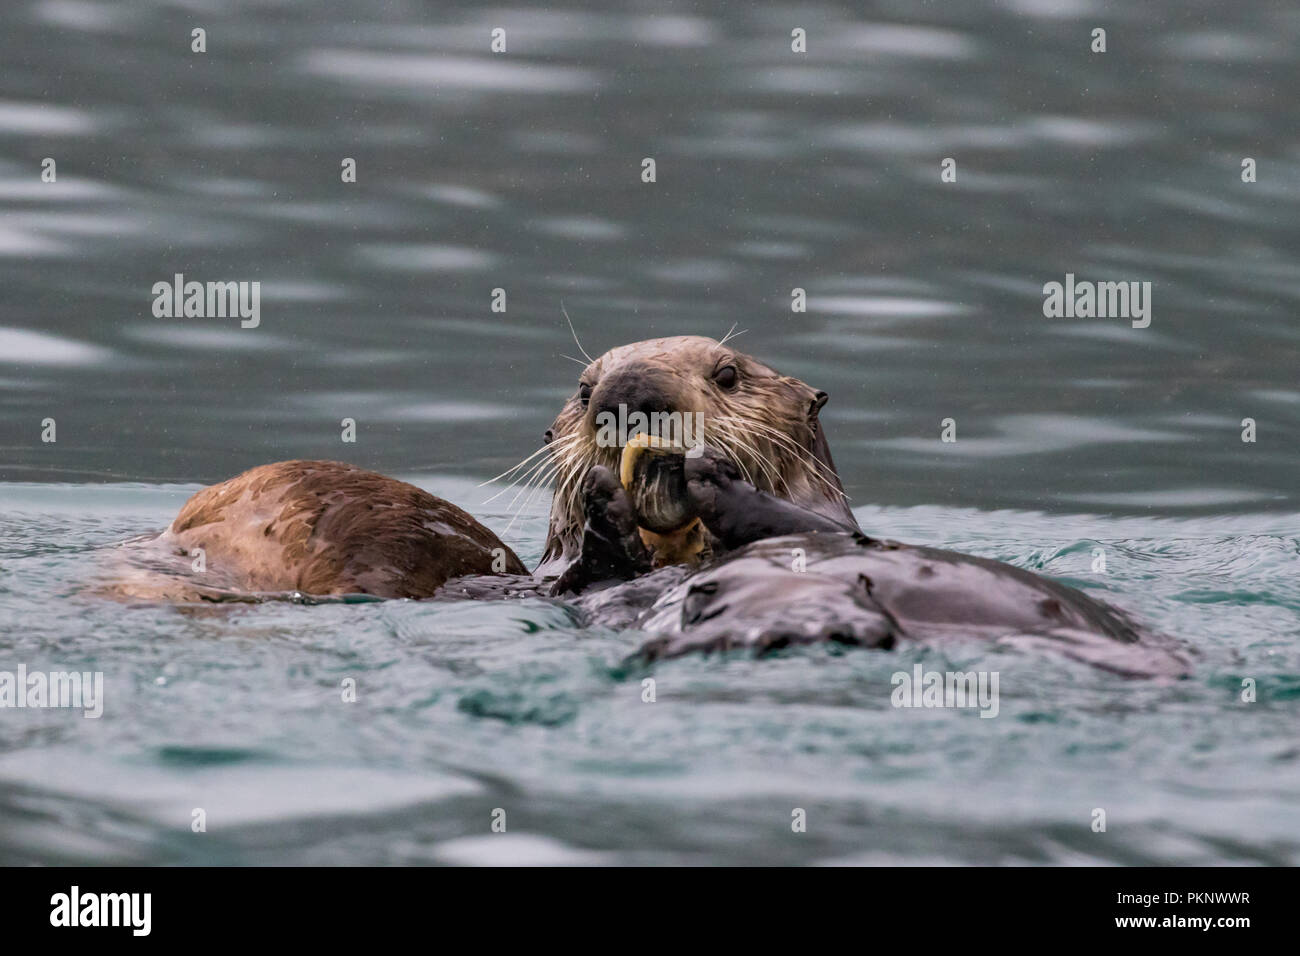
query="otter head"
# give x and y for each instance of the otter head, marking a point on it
(689, 390)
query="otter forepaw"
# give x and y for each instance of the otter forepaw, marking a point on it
(611, 543)
(736, 512)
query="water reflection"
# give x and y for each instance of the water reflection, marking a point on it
(776, 171)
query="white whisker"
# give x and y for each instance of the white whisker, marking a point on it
(537, 485)
(511, 470)
(819, 469)
(537, 470)
(761, 462)
(531, 469)
(542, 482)
(590, 360)
(728, 337)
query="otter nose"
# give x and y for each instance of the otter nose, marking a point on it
(639, 390)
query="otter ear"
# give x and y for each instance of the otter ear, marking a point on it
(815, 405)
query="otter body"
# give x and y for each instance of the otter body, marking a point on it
(851, 589)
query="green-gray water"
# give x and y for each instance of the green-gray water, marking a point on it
(775, 170)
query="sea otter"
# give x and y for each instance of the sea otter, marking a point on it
(691, 543)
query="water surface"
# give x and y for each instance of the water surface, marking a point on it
(775, 171)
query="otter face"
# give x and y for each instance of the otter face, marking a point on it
(765, 422)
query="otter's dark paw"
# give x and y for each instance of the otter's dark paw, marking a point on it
(735, 512)
(605, 502)
(612, 548)
(708, 465)
(709, 475)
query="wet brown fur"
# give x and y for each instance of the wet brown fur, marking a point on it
(323, 527)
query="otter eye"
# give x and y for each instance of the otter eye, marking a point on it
(584, 393)
(726, 376)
